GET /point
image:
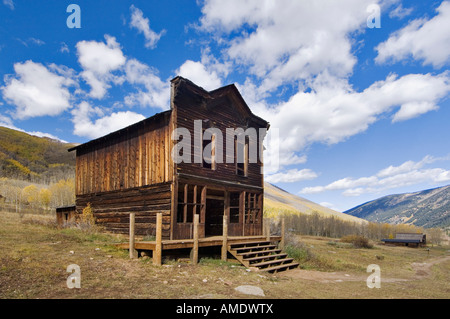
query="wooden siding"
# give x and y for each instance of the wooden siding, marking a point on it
(111, 209)
(131, 158)
(221, 113)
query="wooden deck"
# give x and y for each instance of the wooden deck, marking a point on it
(202, 242)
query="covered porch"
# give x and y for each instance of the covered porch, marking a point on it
(261, 251)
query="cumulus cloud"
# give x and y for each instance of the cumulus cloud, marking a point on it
(207, 73)
(406, 174)
(333, 111)
(198, 73)
(104, 124)
(99, 60)
(317, 62)
(142, 24)
(36, 90)
(151, 91)
(422, 39)
(286, 41)
(292, 175)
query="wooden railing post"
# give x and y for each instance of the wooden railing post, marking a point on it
(225, 238)
(282, 233)
(195, 247)
(132, 236)
(157, 253)
(267, 229)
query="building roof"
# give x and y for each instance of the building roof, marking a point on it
(144, 122)
(228, 90)
(396, 240)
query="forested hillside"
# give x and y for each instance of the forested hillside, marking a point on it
(32, 158)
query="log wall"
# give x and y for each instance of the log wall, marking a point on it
(112, 209)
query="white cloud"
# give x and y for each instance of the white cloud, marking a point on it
(156, 93)
(9, 4)
(333, 111)
(274, 53)
(292, 175)
(6, 122)
(64, 48)
(198, 73)
(99, 60)
(143, 26)
(37, 91)
(400, 12)
(105, 124)
(38, 42)
(207, 73)
(423, 39)
(286, 41)
(406, 174)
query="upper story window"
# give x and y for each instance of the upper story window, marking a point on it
(209, 152)
(241, 155)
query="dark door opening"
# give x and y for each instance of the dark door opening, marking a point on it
(214, 217)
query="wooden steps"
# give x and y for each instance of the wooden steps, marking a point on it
(263, 255)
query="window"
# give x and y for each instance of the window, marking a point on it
(234, 207)
(189, 202)
(241, 155)
(252, 206)
(209, 151)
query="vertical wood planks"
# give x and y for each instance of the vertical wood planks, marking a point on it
(134, 158)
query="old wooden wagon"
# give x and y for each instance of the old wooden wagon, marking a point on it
(196, 158)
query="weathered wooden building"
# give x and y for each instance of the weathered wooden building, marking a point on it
(138, 169)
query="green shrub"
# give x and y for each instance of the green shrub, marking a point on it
(358, 241)
(299, 253)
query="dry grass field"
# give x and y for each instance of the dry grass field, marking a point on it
(34, 255)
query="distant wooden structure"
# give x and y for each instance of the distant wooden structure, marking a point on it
(66, 215)
(407, 239)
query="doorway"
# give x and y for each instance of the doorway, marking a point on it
(214, 213)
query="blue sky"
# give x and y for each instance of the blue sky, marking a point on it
(356, 112)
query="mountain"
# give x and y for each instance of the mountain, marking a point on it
(277, 198)
(428, 208)
(24, 156)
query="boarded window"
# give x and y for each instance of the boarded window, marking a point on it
(241, 155)
(208, 153)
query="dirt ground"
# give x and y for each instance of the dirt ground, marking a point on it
(422, 271)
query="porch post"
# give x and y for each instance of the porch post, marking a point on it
(267, 229)
(225, 238)
(195, 248)
(158, 249)
(132, 236)
(282, 233)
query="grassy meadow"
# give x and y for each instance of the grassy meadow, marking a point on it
(35, 254)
